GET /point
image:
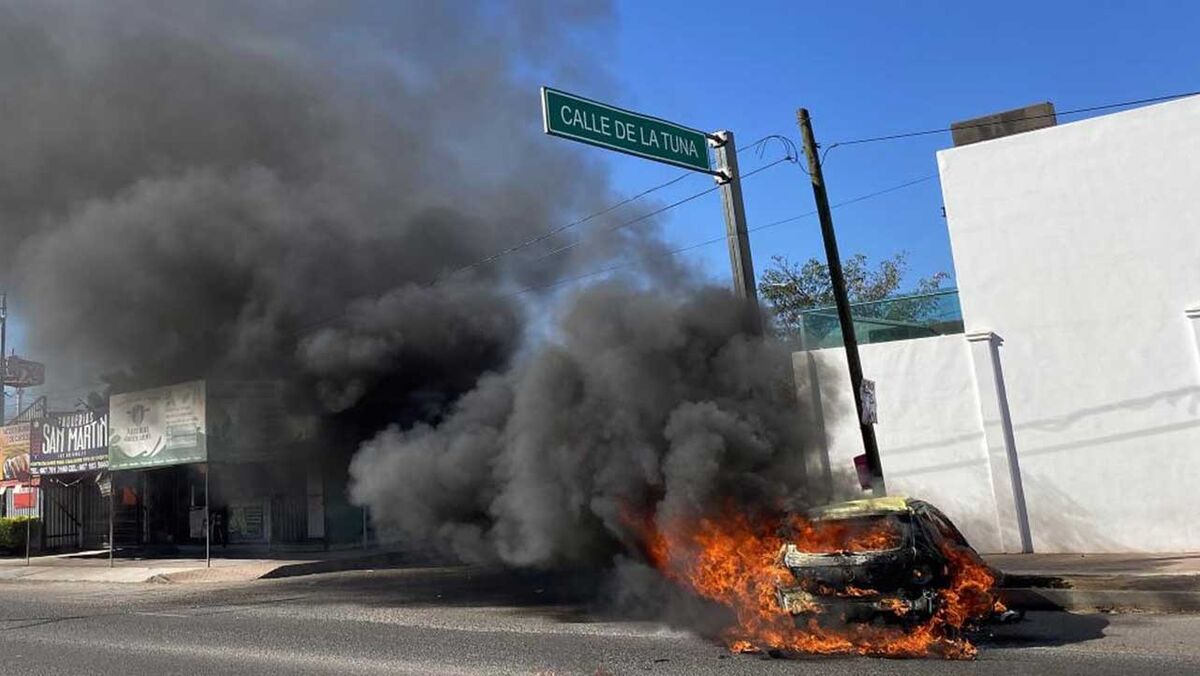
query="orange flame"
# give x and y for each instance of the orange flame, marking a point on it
(734, 561)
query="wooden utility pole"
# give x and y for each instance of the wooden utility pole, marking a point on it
(840, 298)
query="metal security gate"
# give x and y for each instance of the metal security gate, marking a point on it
(289, 519)
(75, 515)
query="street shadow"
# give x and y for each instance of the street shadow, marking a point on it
(1044, 629)
(586, 597)
(565, 595)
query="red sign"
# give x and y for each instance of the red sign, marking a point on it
(862, 467)
(24, 498)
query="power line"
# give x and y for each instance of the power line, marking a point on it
(442, 277)
(790, 156)
(854, 200)
(697, 245)
(562, 228)
(760, 144)
(64, 393)
(38, 392)
(668, 207)
(808, 214)
(1076, 111)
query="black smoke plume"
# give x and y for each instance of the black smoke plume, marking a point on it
(254, 190)
(301, 191)
(640, 403)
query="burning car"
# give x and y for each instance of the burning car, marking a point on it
(889, 577)
(891, 560)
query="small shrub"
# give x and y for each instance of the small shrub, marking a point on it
(12, 533)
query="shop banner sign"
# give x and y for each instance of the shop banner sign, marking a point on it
(158, 427)
(72, 442)
(105, 484)
(14, 451)
(249, 521)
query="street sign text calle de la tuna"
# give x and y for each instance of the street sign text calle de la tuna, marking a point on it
(581, 119)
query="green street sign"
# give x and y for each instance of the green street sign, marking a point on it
(581, 119)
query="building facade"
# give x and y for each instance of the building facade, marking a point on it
(1067, 417)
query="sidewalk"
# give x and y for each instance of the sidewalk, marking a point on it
(1108, 582)
(94, 566)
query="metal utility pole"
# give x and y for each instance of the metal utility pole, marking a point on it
(735, 216)
(207, 519)
(840, 298)
(3, 357)
(28, 519)
(112, 509)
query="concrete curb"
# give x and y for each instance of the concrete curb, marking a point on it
(197, 573)
(283, 569)
(1105, 600)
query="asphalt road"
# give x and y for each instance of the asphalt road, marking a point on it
(458, 621)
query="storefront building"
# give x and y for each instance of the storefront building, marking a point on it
(174, 450)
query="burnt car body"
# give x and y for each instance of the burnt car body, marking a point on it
(894, 568)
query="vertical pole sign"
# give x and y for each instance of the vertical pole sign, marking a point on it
(599, 124)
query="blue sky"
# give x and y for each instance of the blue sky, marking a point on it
(866, 69)
(863, 69)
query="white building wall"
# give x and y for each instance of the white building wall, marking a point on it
(1079, 245)
(930, 433)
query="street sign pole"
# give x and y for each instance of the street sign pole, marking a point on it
(3, 358)
(842, 300)
(207, 519)
(112, 508)
(744, 283)
(624, 131)
(28, 518)
(735, 216)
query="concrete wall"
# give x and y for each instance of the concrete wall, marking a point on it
(930, 431)
(1080, 246)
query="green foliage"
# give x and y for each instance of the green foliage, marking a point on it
(12, 532)
(792, 288)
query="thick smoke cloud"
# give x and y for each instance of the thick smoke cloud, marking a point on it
(643, 403)
(270, 190)
(267, 189)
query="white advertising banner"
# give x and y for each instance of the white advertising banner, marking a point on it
(158, 427)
